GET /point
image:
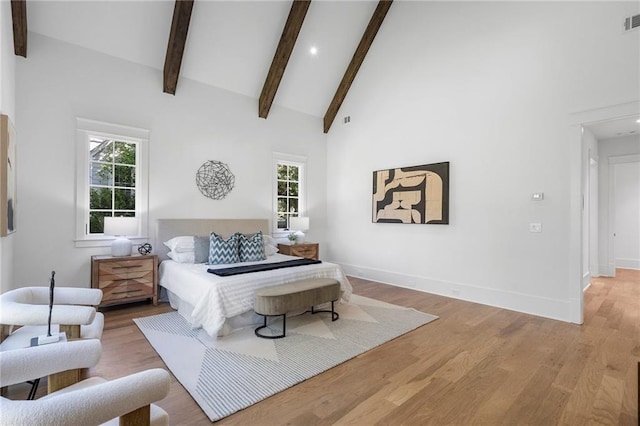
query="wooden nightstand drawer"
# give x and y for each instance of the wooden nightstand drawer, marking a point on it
(127, 289)
(308, 250)
(125, 279)
(126, 266)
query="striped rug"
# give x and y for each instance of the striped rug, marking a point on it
(230, 373)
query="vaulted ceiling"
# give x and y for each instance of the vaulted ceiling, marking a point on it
(227, 44)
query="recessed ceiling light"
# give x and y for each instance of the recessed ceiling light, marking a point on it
(313, 50)
(638, 120)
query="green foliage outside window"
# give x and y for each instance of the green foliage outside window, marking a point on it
(288, 192)
(112, 178)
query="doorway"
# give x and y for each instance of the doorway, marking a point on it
(611, 191)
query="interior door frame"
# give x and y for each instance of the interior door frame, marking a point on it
(578, 120)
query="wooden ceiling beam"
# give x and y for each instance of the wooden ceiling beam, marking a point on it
(281, 57)
(358, 57)
(19, 15)
(177, 40)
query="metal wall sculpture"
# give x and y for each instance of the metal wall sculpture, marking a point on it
(215, 180)
(418, 194)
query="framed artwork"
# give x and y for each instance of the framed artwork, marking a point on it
(8, 188)
(417, 194)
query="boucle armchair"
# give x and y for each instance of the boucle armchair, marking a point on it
(73, 312)
(94, 401)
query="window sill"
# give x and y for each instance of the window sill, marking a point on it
(106, 242)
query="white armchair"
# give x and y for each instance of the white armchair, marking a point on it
(73, 312)
(94, 401)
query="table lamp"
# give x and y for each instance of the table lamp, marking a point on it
(300, 225)
(120, 227)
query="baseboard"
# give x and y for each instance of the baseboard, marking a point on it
(607, 270)
(628, 263)
(586, 280)
(556, 309)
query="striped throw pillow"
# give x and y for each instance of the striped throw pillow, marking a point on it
(251, 247)
(223, 251)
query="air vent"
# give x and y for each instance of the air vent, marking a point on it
(632, 22)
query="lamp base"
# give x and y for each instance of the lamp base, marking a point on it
(121, 247)
(300, 237)
(45, 340)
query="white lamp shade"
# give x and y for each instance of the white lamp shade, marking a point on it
(120, 226)
(299, 223)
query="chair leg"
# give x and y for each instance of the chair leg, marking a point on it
(73, 331)
(63, 379)
(139, 417)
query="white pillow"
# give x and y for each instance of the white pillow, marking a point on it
(269, 240)
(182, 257)
(270, 250)
(183, 244)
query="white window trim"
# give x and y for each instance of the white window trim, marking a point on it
(85, 128)
(293, 160)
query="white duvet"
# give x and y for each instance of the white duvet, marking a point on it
(215, 298)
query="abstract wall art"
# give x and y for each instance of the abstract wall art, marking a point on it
(215, 180)
(8, 188)
(417, 194)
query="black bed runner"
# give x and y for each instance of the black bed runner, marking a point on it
(235, 270)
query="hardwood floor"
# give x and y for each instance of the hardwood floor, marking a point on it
(475, 365)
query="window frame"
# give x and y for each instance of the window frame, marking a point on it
(289, 160)
(85, 129)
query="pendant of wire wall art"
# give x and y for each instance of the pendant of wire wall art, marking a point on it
(215, 180)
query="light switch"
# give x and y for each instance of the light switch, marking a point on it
(535, 227)
(537, 196)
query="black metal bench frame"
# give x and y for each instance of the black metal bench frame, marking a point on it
(334, 317)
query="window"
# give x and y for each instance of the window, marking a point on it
(111, 179)
(289, 190)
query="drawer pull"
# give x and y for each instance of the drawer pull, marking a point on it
(126, 266)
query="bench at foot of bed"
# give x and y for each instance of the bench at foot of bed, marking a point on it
(280, 299)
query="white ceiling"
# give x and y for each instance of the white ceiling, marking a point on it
(615, 128)
(230, 44)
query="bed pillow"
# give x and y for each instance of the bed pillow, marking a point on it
(269, 240)
(201, 249)
(251, 247)
(223, 251)
(181, 257)
(182, 244)
(270, 250)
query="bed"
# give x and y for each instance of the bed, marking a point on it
(220, 305)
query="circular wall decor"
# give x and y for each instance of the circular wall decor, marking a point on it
(215, 180)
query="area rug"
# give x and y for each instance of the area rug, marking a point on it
(227, 374)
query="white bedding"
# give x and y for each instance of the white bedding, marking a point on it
(215, 299)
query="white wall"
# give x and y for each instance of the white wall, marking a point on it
(589, 152)
(60, 82)
(610, 149)
(7, 106)
(627, 215)
(491, 88)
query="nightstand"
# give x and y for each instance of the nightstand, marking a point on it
(308, 250)
(125, 279)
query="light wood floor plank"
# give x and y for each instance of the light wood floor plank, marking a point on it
(475, 365)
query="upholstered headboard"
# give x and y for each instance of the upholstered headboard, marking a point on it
(169, 228)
